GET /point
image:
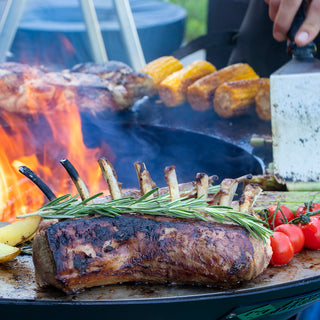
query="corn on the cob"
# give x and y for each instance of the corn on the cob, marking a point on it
(201, 92)
(262, 100)
(236, 98)
(162, 67)
(173, 89)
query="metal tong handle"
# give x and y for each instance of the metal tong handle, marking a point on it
(302, 53)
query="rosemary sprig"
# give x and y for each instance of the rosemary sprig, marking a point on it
(70, 207)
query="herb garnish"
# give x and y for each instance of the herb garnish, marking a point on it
(68, 206)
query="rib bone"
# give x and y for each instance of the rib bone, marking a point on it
(202, 184)
(110, 177)
(78, 182)
(172, 182)
(145, 182)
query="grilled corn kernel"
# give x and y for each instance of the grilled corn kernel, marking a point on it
(236, 98)
(173, 89)
(161, 68)
(262, 101)
(201, 92)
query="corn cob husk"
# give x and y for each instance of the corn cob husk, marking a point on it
(161, 68)
(173, 89)
(262, 101)
(200, 93)
(236, 98)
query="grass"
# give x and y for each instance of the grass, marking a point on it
(196, 17)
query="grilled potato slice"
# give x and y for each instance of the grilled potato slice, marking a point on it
(19, 231)
(8, 252)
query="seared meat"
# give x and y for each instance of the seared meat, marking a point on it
(59, 90)
(127, 85)
(81, 253)
(111, 70)
(12, 79)
(29, 90)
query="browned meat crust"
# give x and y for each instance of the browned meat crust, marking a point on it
(60, 91)
(30, 90)
(82, 253)
(127, 85)
(12, 76)
(113, 70)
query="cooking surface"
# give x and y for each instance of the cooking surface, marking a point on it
(17, 282)
(159, 147)
(238, 130)
(204, 130)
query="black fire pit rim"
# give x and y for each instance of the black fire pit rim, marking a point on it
(284, 289)
(182, 129)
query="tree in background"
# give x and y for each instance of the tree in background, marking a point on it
(196, 19)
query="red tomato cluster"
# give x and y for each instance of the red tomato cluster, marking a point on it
(283, 215)
(288, 238)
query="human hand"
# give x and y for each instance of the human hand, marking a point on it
(282, 13)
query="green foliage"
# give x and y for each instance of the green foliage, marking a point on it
(196, 17)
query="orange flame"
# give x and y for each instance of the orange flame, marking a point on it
(29, 143)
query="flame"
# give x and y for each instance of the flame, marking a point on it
(39, 141)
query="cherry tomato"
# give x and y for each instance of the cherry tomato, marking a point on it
(282, 249)
(295, 235)
(279, 215)
(303, 209)
(311, 232)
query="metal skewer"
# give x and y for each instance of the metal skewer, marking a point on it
(130, 34)
(9, 24)
(94, 32)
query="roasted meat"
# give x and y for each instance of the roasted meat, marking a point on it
(58, 91)
(13, 76)
(126, 85)
(81, 253)
(30, 90)
(75, 254)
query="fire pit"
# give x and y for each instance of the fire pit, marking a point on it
(60, 24)
(158, 147)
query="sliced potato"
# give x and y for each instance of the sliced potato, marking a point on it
(19, 231)
(7, 252)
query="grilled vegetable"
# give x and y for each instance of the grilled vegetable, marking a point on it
(7, 252)
(236, 98)
(282, 249)
(161, 68)
(19, 231)
(173, 89)
(201, 92)
(262, 100)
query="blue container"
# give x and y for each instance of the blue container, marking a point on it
(53, 32)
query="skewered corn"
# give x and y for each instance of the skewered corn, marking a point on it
(161, 68)
(201, 92)
(236, 98)
(173, 89)
(262, 100)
